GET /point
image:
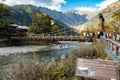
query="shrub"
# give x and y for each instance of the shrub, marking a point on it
(107, 58)
(93, 51)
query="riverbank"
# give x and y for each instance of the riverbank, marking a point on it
(9, 43)
(6, 51)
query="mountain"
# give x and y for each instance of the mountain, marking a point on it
(87, 14)
(92, 23)
(21, 15)
(68, 18)
(112, 8)
(77, 18)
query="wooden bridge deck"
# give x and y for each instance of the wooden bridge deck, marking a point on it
(51, 38)
(112, 48)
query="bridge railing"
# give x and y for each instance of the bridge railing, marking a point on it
(114, 46)
(49, 38)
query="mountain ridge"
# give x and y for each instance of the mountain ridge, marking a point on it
(92, 24)
(21, 15)
(70, 19)
(67, 18)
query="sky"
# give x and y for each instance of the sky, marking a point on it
(64, 5)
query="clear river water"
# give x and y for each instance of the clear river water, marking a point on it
(43, 54)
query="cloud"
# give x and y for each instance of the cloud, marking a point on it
(56, 4)
(51, 4)
(17, 2)
(99, 6)
(86, 8)
(105, 3)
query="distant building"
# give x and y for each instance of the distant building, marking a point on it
(23, 29)
(17, 30)
(19, 27)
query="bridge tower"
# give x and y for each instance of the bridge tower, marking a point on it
(101, 22)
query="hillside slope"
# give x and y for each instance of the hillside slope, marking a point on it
(92, 24)
(21, 15)
(68, 18)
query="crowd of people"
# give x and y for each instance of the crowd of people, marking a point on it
(87, 34)
(104, 34)
(110, 35)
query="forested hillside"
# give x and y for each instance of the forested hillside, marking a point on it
(31, 16)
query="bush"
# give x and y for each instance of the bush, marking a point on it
(107, 58)
(93, 51)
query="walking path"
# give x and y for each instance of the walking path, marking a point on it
(112, 54)
(109, 51)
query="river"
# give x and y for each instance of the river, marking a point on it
(44, 54)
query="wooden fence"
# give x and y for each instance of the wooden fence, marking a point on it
(113, 45)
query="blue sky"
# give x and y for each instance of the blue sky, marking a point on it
(65, 5)
(73, 4)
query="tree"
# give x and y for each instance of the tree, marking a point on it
(109, 26)
(113, 24)
(116, 19)
(42, 23)
(4, 24)
(4, 12)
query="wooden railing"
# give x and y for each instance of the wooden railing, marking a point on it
(111, 44)
(49, 38)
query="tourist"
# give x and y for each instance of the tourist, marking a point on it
(85, 34)
(93, 34)
(100, 33)
(105, 35)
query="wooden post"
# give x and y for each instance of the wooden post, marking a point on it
(112, 47)
(107, 43)
(117, 50)
(104, 42)
(80, 78)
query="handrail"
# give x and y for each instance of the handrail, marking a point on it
(110, 42)
(49, 38)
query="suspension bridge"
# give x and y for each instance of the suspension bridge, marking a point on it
(65, 34)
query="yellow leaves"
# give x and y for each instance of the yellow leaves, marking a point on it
(107, 58)
(41, 23)
(54, 28)
(116, 14)
(1, 6)
(114, 22)
(109, 27)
